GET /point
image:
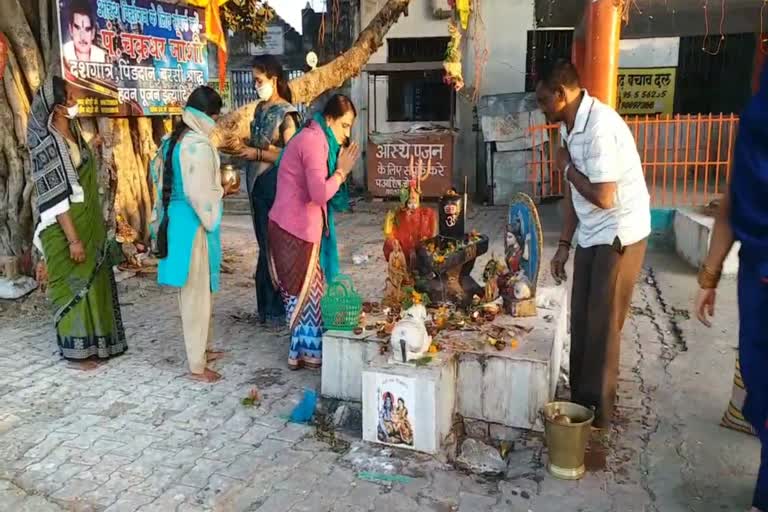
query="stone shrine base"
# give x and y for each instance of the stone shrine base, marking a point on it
(345, 355)
(429, 393)
(693, 235)
(495, 391)
(509, 387)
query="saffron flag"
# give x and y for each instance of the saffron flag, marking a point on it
(214, 32)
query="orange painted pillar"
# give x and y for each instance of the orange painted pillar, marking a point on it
(757, 68)
(577, 55)
(579, 45)
(603, 31)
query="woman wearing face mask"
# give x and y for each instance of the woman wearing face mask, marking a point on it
(311, 186)
(71, 232)
(274, 123)
(189, 209)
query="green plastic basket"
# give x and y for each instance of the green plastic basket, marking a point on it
(341, 305)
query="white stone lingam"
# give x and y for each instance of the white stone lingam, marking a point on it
(410, 340)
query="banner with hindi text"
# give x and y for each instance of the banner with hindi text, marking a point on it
(646, 90)
(132, 57)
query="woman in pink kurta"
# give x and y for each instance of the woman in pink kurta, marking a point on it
(312, 169)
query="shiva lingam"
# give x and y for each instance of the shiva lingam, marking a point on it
(404, 228)
(444, 266)
(410, 339)
(444, 263)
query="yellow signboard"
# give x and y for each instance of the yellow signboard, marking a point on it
(647, 90)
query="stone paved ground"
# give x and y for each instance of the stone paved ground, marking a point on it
(133, 434)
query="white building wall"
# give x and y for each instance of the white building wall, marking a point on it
(504, 29)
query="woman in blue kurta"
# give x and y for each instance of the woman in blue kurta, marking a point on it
(189, 209)
(743, 216)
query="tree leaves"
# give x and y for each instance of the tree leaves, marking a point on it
(249, 16)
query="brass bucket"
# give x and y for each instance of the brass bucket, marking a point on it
(567, 430)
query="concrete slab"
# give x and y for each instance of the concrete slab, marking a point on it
(510, 387)
(345, 355)
(693, 233)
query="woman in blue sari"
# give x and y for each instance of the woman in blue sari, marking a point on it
(743, 216)
(274, 123)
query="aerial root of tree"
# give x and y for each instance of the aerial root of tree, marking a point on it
(23, 73)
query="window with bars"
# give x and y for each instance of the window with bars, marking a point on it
(417, 96)
(544, 48)
(719, 83)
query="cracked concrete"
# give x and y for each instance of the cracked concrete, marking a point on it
(134, 435)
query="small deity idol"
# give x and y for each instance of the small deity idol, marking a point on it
(517, 293)
(397, 275)
(410, 339)
(493, 269)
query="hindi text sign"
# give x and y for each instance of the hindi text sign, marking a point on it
(647, 90)
(132, 57)
(273, 44)
(389, 160)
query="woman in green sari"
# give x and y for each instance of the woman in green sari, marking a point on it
(71, 233)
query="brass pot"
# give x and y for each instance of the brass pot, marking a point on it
(567, 430)
(230, 179)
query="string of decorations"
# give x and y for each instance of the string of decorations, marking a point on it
(481, 50)
(721, 40)
(466, 24)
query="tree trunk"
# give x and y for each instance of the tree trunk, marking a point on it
(107, 172)
(133, 202)
(23, 72)
(349, 64)
(13, 23)
(235, 126)
(45, 31)
(17, 222)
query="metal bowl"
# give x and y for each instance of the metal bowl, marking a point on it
(230, 179)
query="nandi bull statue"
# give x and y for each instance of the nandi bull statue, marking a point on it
(410, 340)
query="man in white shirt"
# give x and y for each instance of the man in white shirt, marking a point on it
(607, 206)
(82, 31)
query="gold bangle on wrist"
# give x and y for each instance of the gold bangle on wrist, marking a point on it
(708, 278)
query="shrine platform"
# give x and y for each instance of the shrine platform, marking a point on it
(495, 391)
(509, 387)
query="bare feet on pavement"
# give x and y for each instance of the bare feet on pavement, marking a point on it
(208, 375)
(88, 364)
(214, 355)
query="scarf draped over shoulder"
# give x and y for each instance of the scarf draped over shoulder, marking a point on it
(200, 174)
(53, 171)
(265, 131)
(329, 255)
